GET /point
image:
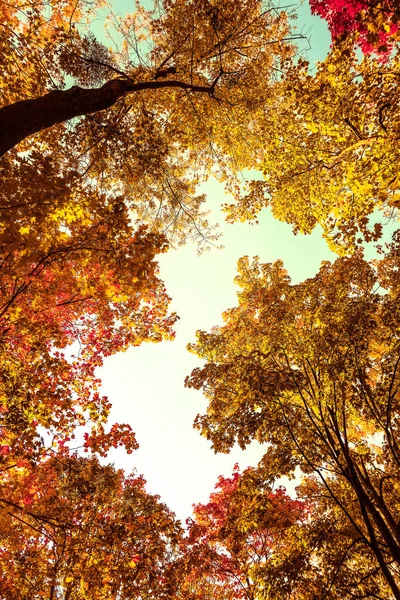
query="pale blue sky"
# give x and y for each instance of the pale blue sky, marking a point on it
(145, 384)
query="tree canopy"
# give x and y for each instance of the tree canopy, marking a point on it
(102, 152)
(72, 528)
(151, 118)
(374, 25)
(311, 370)
(244, 542)
(330, 150)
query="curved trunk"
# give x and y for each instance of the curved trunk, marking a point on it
(23, 118)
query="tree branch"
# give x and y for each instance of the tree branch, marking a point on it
(26, 117)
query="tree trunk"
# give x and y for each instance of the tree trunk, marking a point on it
(23, 118)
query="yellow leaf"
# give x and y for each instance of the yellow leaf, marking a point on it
(132, 564)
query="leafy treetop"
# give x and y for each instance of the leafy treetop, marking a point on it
(374, 25)
(330, 151)
(312, 370)
(72, 529)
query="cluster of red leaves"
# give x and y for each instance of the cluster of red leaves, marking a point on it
(374, 23)
(242, 538)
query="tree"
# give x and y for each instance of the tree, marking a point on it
(72, 528)
(150, 123)
(373, 24)
(121, 150)
(244, 543)
(92, 292)
(250, 541)
(330, 150)
(312, 370)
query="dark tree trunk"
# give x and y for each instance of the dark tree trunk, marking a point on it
(23, 118)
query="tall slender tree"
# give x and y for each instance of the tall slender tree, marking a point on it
(312, 370)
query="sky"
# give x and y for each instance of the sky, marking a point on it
(146, 384)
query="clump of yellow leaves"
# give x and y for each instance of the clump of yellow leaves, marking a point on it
(330, 150)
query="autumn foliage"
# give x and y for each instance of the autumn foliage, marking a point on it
(312, 370)
(245, 542)
(374, 25)
(72, 528)
(102, 152)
